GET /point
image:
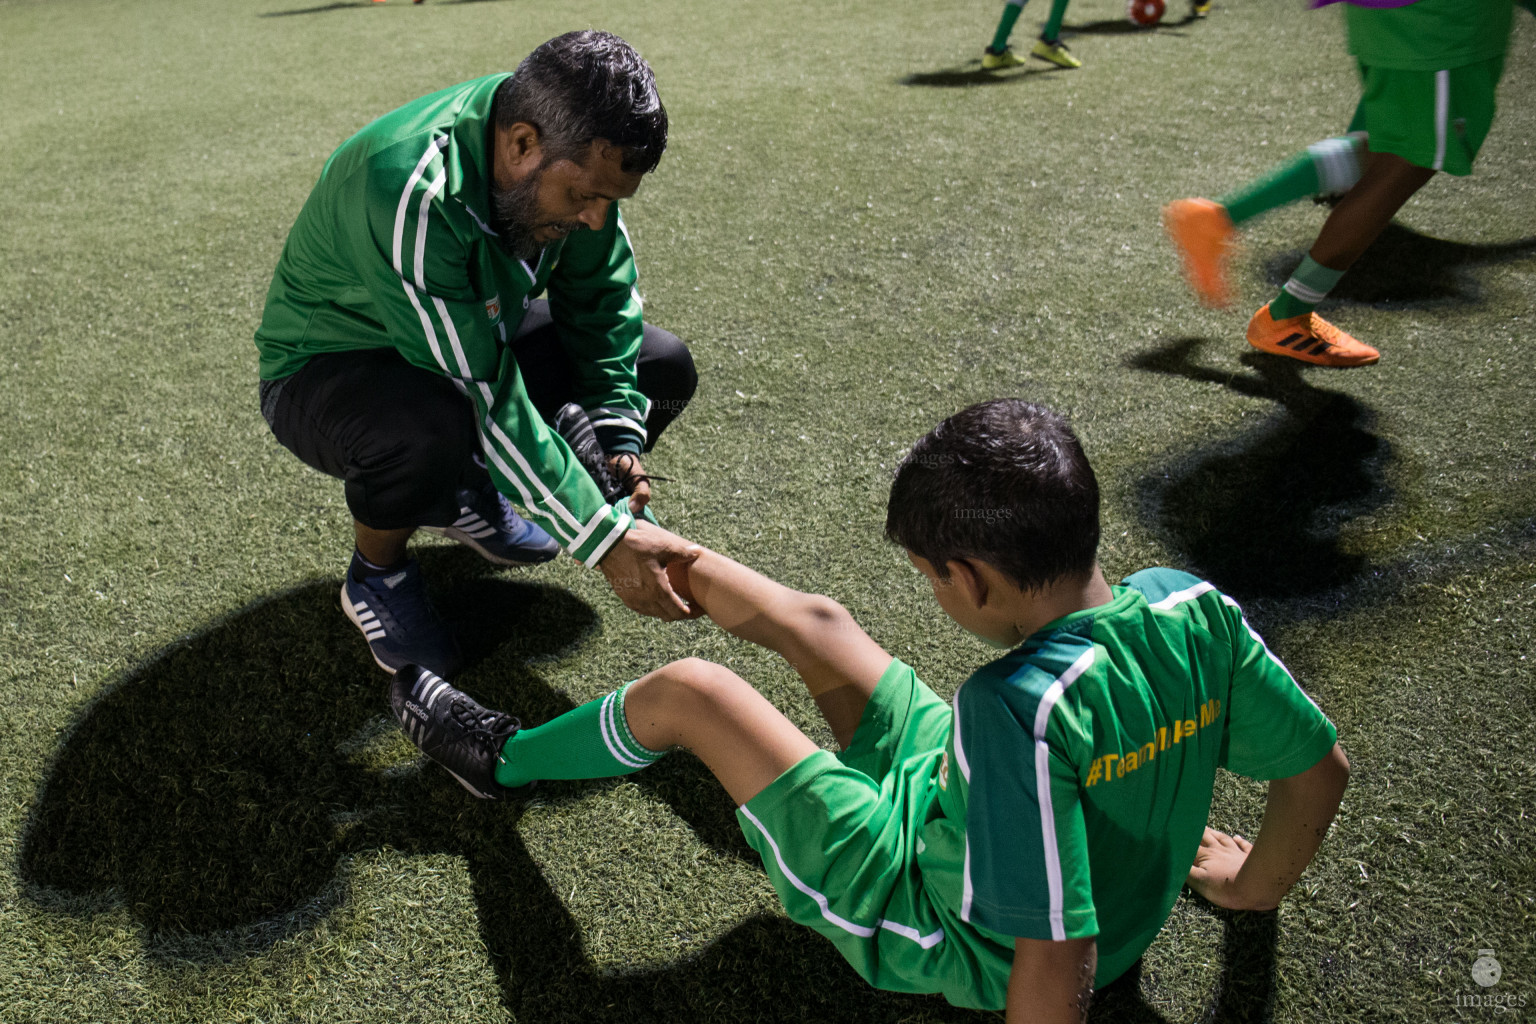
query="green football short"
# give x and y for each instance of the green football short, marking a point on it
(836, 834)
(1434, 119)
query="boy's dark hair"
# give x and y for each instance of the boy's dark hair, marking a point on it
(584, 86)
(1003, 482)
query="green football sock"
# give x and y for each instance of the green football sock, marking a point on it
(589, 742)
(1306, 288)
(1052, 30)
(1326, 167)
(1011, 12)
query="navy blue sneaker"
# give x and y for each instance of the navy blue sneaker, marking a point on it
(452, 729)
(488, 523)
(398, 621)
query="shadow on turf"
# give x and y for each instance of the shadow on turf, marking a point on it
(1245, 989)
(1259, 514)
(315, 10)
(341, 6)
(216, 786)
(1406, 268)
(216, 791)
(970, 74)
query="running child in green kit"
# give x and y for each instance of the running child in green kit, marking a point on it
(1024, 843)
(1429, 74)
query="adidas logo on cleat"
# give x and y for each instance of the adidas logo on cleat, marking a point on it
(1300, 340)
(1307, 337)
(450, 728)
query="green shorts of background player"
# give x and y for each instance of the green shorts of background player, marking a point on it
(1020, 845)
(1429, 73)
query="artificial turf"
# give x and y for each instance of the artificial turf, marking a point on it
(204, 814)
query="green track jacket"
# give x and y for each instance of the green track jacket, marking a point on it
(394, 249)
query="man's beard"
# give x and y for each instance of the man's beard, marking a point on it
(515, 217)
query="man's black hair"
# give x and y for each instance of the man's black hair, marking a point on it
(1004, 482)
(584, 86)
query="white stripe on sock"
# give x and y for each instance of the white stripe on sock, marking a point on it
(1337, 163)
(1301, 292)
(612, 738)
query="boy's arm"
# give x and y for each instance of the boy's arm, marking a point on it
(1051, 981)
(815, 634)
(1233, 873)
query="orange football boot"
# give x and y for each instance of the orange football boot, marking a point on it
(1307, 337)
(1204, 236)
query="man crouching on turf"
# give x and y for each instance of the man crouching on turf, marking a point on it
(405, 349)
(1022, 845)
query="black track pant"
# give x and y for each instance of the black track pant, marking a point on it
(402, 438)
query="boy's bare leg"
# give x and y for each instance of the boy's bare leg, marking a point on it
(1387, 182)
(743, 739)
(708, 709)
(837, 660)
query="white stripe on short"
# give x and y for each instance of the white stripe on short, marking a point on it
(905, 931)
(1442, 114)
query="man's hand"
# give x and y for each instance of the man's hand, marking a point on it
(627, 470)
(1214, 873)
(636, 568)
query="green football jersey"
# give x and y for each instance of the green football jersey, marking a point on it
(1429, 35)
(394, 249)
(1077, 780)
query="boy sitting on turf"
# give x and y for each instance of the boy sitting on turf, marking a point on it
(1014, 849)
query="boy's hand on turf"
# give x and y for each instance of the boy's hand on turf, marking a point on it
(1214, 873)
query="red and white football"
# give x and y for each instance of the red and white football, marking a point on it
(1146, 12)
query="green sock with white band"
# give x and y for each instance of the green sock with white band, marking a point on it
(589, 742)
(1310, 283)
